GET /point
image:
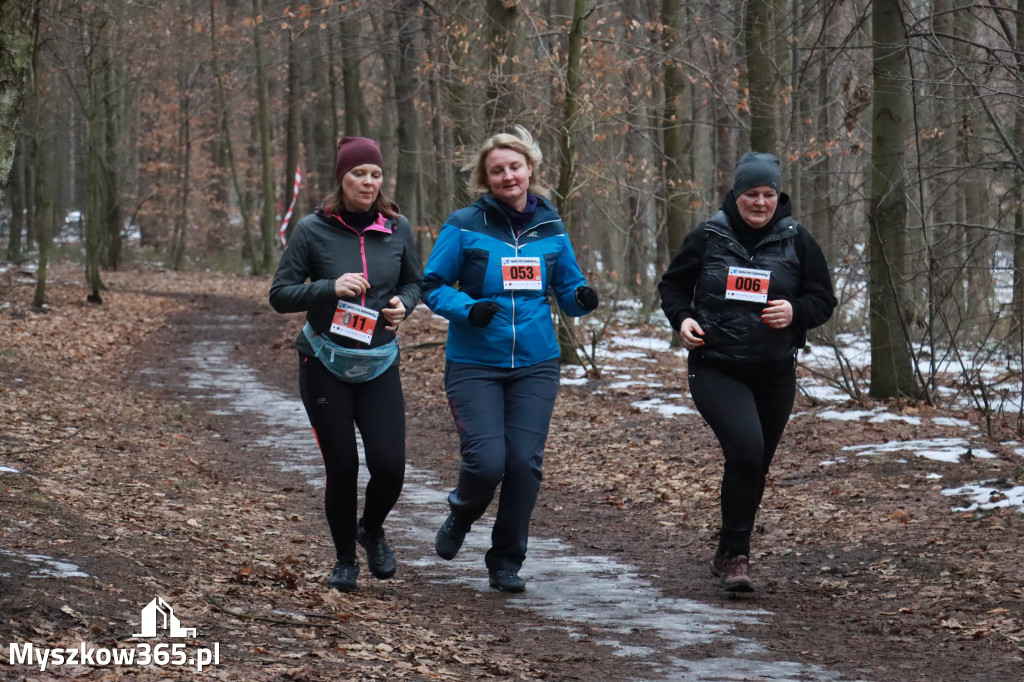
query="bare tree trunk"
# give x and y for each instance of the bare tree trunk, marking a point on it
(464, 100)
(567, 134)
(891, 370)
(291, 142)
(505, 47)
(17, 191)
(639, 177)
(1018, 184)
(724, 142)
(761, 75)
(15, 58)
(674, 138)
(356, 122)
(407, 89)
(567, 154)
(443, 186)
(267, 227)
(92, 30)
(324, 129)
(225, 118)
(42, 160)
(181, 220)
(823, 208)
(114, 93)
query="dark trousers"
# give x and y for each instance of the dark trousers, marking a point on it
(335, 409)
(502, 416)
(747, 406)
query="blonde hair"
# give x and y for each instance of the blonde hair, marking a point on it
(519, 141)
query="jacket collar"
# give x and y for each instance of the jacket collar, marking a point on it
(545, 212)
(382, 224)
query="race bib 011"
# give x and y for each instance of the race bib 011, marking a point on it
(354, 321)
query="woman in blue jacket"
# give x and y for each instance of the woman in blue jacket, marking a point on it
(352, 267)
(492, 274)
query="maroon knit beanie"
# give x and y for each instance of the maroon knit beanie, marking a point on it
(355, 151)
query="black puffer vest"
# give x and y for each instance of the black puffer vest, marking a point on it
(733, 329)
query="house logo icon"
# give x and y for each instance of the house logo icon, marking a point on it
(158, 614)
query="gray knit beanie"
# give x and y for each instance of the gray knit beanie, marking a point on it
(755, 170)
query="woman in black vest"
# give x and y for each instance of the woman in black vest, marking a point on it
(742, 292)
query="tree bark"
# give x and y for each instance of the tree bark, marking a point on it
(407, 92)
(567, 132)
(291, 142)
(356, 122)
(1018, 184)
(17, 193)
(268, 228)
(15, 57)
(225, 125)
(891, 370)
(760, 75)
(567, 153)
(674, 138)
(504, 49)
(92, 30)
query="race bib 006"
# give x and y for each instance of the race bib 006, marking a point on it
(746, 284)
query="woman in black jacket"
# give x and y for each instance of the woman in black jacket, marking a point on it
(742, 292)
(352, 267)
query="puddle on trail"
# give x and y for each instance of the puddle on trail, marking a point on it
(43, 566)
(584, 591)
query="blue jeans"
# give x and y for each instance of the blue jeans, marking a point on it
(502, 416)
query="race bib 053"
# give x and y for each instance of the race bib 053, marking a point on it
(521, 273)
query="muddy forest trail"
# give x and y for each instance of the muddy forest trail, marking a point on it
(155, 446)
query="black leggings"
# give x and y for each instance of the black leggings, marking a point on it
(747, 406)
(335, 409)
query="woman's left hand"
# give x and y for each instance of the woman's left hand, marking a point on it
(394, 313)
(778, 314)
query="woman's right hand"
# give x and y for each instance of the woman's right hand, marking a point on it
(350, 284)
(690, 333)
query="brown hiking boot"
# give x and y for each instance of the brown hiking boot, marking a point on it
(733, 573)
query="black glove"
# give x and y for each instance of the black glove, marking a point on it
(481, 314)
(587, 298)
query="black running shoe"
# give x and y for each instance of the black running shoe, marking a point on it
(343, 577)
(379, 557)
(450, 537)
(507, 580)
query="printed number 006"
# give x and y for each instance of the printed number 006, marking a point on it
(748, 284)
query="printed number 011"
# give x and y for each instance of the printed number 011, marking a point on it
(353, 321)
